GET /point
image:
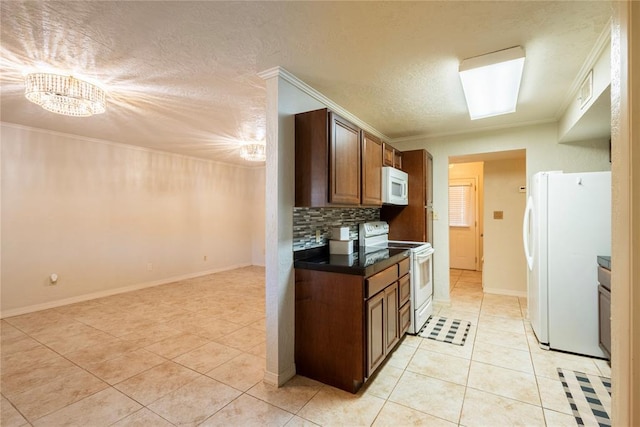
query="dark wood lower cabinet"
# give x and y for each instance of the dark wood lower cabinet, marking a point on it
(346, 325)
(405, 318)
(330, 328)
(376, 348)
(392, 334)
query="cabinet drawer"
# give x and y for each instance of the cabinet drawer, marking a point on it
(403, 267)
(405, 318)
(405, 289)
(381, 280)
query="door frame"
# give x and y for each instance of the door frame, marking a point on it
(476, 200)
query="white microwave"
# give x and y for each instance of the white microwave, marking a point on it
(395, 186)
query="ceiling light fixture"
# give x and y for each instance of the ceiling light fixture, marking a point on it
(65, 95)
(491, 82)
(254, 152)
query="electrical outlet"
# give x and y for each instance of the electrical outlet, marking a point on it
(204, 258)
(318, 236)
(435, 216)
(149, 266)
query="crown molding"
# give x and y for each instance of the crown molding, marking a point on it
(333, 106)
(125, 145)
(603, 41)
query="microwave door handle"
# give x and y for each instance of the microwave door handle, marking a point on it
(405, 186)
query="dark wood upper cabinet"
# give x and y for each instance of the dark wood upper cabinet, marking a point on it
(397, 159)
(312, 158)
(392, 157)
(337, 164)
(414, 221)
(371, 170)
(388, 155)
(344, 161)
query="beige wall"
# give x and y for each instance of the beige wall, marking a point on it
(107, 217)
(625, 176)
(505, 269)
(542, 151)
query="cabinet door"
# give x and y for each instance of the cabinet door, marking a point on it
(344, 162)
(405, 289)
(371, 170)
(388, 155)
(392, 332)
(429, 198)
(397, 159)
(375, 332)
(604, 305)
(429, 178)
(405, 318)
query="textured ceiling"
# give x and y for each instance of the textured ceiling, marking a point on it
(182, 76)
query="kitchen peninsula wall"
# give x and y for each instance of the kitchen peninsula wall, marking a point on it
(307, 220)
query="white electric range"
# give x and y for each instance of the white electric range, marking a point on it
(374, 236)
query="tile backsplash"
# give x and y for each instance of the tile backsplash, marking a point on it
(307, 220)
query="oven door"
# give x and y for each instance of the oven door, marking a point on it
(422, 277)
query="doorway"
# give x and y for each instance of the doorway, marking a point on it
(500, 198)
(465, 215)
(463, 223)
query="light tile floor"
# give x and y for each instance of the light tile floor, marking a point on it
(193, 353)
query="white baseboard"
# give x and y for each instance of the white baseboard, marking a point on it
(278, 380)
(507, 292)
(109, 292)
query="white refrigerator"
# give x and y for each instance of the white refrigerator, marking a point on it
(567, 224)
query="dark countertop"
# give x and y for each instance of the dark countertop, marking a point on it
(604, 261)
(358, 263)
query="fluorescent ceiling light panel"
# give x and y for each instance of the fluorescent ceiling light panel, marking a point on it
(491, 82)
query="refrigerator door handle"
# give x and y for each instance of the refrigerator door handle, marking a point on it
(525, 232)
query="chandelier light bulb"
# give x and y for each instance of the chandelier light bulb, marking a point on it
(253, 152)
(66, 95)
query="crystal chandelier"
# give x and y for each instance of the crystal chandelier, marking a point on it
(65, 95)
(254, 152)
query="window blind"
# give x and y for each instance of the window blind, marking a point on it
(460, 205)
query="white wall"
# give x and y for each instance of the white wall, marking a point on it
(543, 153)
(98, 214)
(283, 102)
(258, 218)
(601, 82)
(505, 270)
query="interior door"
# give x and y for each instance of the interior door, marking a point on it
(462, 224)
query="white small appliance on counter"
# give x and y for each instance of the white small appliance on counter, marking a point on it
(374, 236)
(395, 186)
(340, 244)
(567, 224)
